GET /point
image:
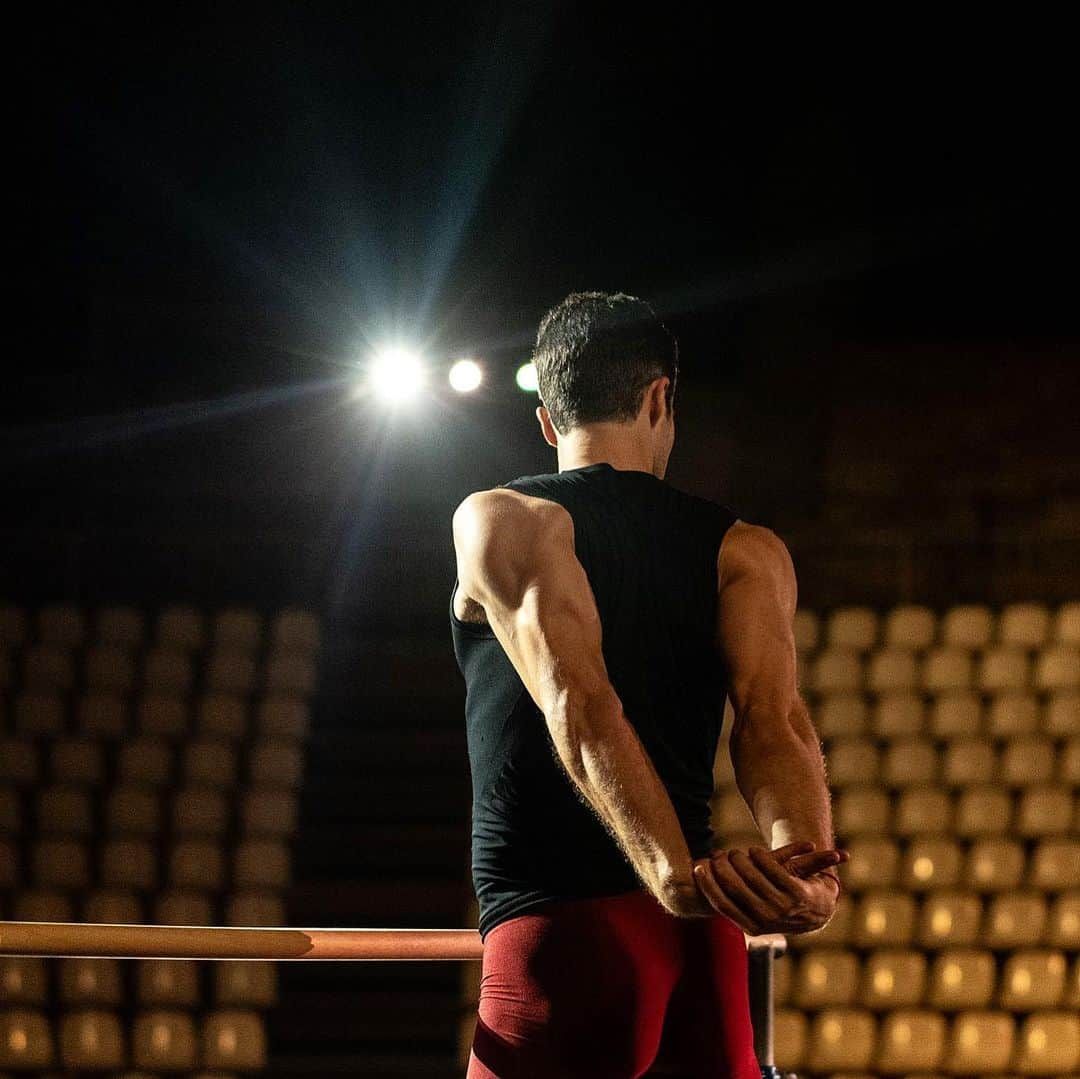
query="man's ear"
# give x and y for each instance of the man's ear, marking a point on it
(656, 398)
(547, 428)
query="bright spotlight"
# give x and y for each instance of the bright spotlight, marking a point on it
(466, 375)
(526, 378)
(397, 374)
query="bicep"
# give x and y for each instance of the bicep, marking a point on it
(755, 635)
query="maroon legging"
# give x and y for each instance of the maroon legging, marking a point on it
(613, 987)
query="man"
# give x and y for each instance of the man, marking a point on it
(600, 619)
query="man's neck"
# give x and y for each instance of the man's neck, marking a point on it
(592, 446)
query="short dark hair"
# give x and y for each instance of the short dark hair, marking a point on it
(596, 352)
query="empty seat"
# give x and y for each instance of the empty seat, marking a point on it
(91, 981)
(1045, 810)
(892, 978)
(200, 811)
(164, 1040)
(874, 861)
(209, 762)
(123, 626)
(297, 630)
(112, 906)
(910, 626)
(826, 976)
(133, 810)
(180, 907)
(145, 761)
(109, 667)
(261, 863)
(167, 982)
(807, 629)
(91, 1041)
(852, 627)
(841, 1039)
(969, 761)
(922, 811)
(909, 762)
(994, 865)
(167, 671)
(1066, 628)
(60, 863)
(25, 1040)
(231, 671)
(891, 670)
(1015, 920)
(251, 984)
(197, 864)
(61, 623)
(1048, 1043)
(290, 672)
(884, 918)
(128, 863)
(276, 762)
(223, 714)
(946, 670)
(180, 627)
(1033, 979)
(955, 715)
(840, 715)
(18, 762)
(64, 811)
(968, 626)
(77, 761)
(931, 862)
(10, 870)
(852, 761)
(1055, 864)
(23, 980)
(861, 810)
(162, 714)
(238, 627)
(102, 715)
(265, 909)
(1004, 669)
(836, 671)
(1027, 761)
(949, 918)
(14, 626)
(961, 978)
(39, 713)
(1058, 668)
(790, 1035)
(1024, 625)
(286, 715)
(234, 1039)
(980, 1042)
(269, 812)
(10, 811)
(910, 1040)
(42, 905)
(1063, 921)
(983, 810)
(897, 715)
(1012, 714)
(48, 667)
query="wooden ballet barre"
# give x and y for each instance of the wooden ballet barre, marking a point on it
(74, 940)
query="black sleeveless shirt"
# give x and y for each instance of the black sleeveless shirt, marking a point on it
(649, 551)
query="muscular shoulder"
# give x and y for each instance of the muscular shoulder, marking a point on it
(752, 552)
(503, 516)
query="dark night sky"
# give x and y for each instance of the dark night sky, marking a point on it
(215, 201)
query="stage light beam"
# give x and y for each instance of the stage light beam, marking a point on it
(397, 375)
(526, 378)
(466, 376)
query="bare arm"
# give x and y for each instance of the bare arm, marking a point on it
(775, 750)
(515, 556)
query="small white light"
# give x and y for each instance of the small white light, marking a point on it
(397, 374)
(466, 375)
(526, 378)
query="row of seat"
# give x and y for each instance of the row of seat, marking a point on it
(954, 979)
(148, 982)
(271, 761)
(120, 906)
(176, 626)
(947, 715)
(843, 1039)
(189, 811)
(95, 1040)
(66, 864)
(941, 670)
(917, 627)
(167, 670)
(948, 917)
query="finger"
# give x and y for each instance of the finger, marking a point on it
(721, 904)
(790, 849)
(806, 865)
(776, 893)
(737, 890)
(787, 878)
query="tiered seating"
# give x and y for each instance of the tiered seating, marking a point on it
(148, 773)
(952, 747)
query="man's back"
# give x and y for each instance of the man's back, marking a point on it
(650, 553)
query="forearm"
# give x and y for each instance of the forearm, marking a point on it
(780, 772)
(604, 757)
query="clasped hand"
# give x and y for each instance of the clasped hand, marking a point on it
(792, 889)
